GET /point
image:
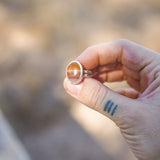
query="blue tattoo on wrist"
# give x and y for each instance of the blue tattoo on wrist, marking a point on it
(110, 107)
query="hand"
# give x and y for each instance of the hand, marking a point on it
(139, 118)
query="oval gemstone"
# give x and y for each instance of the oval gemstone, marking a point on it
(74, 72)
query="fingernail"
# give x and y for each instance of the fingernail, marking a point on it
(71, 88)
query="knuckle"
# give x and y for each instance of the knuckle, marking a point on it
(93, 97)
(123, 41)
(146, 73)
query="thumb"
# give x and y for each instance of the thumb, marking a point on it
(100, 98)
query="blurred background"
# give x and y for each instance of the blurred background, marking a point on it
(38, 38)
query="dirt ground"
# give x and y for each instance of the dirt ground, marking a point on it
(37, 40)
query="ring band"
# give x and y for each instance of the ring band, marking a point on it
(75, 72)
(87, 73)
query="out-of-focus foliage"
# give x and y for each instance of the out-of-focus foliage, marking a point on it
(37, 40)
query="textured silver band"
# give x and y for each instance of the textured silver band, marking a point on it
(87, 73)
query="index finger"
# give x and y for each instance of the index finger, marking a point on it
(99, 55)
(129, 54)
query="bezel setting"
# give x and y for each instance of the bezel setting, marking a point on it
(81, 72)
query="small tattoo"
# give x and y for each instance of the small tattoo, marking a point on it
(110, 107)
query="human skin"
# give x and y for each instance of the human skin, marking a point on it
(137, 111)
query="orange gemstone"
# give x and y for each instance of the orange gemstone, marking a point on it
(74, 72)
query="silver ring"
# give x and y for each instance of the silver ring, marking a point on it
(75, 72)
